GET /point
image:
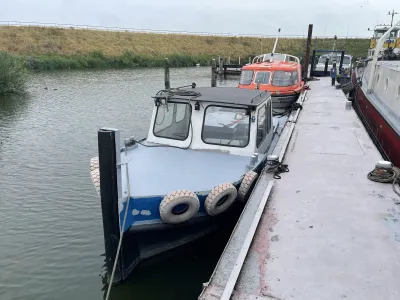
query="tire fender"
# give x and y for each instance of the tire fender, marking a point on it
(247, 183)
(171, 201)
(225, 192)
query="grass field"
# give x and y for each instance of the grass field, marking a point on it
(45, 48)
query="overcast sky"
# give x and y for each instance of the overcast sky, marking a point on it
(340, 17)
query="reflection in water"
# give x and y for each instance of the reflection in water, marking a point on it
(50, 217)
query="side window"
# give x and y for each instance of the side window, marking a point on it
(173, 121)
(261, 122)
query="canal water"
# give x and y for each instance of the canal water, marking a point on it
(51, 238)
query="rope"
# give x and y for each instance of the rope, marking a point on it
(387, 176)
(122, 234)
(277, 167)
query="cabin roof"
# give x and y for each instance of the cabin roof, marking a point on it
(225, 95)
(272, 66)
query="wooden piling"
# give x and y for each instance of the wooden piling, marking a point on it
(307, 58)
(220, 66)
(213, 73)
(166, 74)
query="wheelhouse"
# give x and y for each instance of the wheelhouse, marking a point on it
(230, 120)
(275, 77)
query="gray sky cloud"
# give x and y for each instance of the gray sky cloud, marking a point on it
(338, 17)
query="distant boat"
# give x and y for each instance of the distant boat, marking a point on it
(277, 73)
(197, 65)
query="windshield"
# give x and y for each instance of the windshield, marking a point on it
(332, 59)
(283, 78)
(246, 77)
(379, 34)
(277, 57)
(173, 121)
(226, 126)
(262, 77)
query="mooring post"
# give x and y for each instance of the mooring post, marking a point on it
(213, 73)
(109, 158)
(239, 60)
(229, 60)
(220, 66)
(249, 59)
(166, 74)
(312, 63)
(307, 58)
(110, 193)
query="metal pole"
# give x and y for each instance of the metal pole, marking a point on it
(239, 60)
(308, 48)
(109, 158)
(213, 73)
(166, 74)
(341, 61)
(249, 59)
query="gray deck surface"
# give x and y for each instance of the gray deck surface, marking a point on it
(327, 231)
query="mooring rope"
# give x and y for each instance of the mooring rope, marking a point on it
(121, 234)
(383, 175)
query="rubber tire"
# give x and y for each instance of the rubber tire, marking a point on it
(224, 189)
(174, 199)
(247, 183)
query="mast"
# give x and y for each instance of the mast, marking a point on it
(276, 43)
(378, 48)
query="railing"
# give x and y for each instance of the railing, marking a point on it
(119, 29)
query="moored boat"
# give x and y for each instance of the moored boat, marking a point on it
(202, 155)
(277, 73)
(376, 94)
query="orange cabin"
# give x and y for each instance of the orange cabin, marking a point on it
(277, 77)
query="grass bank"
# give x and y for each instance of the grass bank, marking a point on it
(47, 48)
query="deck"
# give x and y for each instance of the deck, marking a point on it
(326, 231)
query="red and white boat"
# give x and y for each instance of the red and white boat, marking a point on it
(377, 91)
(277, 73)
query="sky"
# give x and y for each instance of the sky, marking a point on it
(340, 17)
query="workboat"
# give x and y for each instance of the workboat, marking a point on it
(277, 73)
(376, 90)
(326, 61)
(204, 150)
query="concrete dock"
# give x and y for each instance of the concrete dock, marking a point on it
(322, 231)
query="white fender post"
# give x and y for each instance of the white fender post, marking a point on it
(379, 47)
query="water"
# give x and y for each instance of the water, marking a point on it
(51, 238)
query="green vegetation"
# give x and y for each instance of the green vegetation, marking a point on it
(47, 48)
(12, 75)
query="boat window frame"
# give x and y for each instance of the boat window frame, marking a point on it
(251, 80)
(262, 71)
(227, 106)
(190, 121)
(291, 75)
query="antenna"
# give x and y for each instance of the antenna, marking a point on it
(392, 13)
(276, 42)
